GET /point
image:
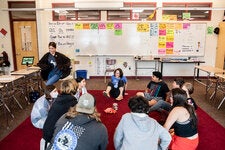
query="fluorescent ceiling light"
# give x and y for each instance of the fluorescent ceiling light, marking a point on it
(38, 9)
(98, 4)
(138, 8)
(173, 8)
(191, 8)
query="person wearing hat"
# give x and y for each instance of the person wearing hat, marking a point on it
(80, 128)
(137, 131)
(156, 89)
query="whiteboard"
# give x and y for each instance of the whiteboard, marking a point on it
(157, 38)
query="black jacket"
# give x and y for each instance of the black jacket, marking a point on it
(63, 63)
(59, 107)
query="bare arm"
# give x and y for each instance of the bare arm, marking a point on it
(173, 116)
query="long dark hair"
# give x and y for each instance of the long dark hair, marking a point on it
(180, 99)
(120, 70)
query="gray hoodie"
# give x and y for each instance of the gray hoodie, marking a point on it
(137, 131)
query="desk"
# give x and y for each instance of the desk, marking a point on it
(137, 61)
(209, 70)
(180, 62)
(220, 85)
(29, 75)
(8, 84)
(24, 72)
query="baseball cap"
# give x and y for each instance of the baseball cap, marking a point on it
(86, 104)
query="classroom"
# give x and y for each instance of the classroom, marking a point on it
(180, 39)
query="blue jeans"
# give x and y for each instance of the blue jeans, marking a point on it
(161, 104)
(53, 76)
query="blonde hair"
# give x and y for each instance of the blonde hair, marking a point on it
(69, 87)
(72, 113)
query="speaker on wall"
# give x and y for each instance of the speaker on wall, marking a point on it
(217, 30)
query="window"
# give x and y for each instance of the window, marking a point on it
(91, 15)
(70, 14)
(133, 11)
(197, 11)
(22, 15)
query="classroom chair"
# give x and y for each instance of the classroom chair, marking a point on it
(110, 66)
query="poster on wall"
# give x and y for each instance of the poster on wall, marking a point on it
(26, 38)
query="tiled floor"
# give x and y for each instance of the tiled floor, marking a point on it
(133, 84)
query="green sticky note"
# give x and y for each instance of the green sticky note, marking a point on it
(209, 30)
(94, 26)
(186, 15)
(118, 32)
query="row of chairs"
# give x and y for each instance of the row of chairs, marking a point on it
(13, 93)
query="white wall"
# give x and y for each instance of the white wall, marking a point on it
(5, 42)
(43, 17)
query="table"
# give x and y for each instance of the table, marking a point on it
(29, 75)
(210, 70)
(220, 85)
(8, 83)
(196, 62)
(138, 61)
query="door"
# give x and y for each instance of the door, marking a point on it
(25, 35)
(220, 52)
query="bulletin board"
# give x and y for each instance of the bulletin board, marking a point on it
(157, 38)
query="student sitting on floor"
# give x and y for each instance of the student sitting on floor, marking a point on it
(188, 87)
(156, 89)
(137, 131)
(116, 87)
(81, 87)
(80, 128)
(182, 118)
(165, 105)
(63, 102)
(41, 107)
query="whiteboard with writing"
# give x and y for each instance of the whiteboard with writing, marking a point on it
(158, 39)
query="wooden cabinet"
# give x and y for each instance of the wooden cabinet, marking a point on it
(220, 53)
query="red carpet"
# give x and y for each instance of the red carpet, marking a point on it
(25, 136)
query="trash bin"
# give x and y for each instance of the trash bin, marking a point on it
(81, 73)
